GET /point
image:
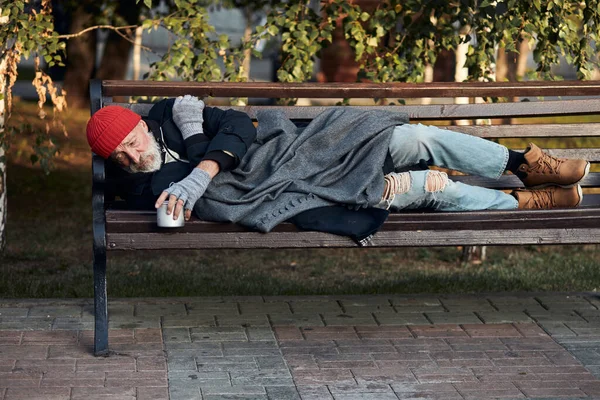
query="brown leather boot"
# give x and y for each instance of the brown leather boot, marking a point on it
(541, 169)
(552, 197)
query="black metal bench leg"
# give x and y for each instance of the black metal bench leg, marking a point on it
(100, 305)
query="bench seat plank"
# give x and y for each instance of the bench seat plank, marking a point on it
(283, 240)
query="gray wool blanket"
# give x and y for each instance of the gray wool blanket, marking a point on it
(336, 159)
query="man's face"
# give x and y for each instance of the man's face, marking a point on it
(139, 151)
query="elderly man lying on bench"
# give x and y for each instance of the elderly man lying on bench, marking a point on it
(345, 161)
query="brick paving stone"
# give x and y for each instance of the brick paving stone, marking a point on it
(565, 302)
(348, 348)
(134, 323)
(105, 364)
(323, 377)
(10, 337)
(383, 375)
(437, 331)
(383, 332)
(50, 337)
(415, 301)
(186, 363)
(579, 343)
(458, 355)
(260, 334)
(463, 303)
(529, 329)
(144, 378)
(233, 390)
(224, 364)
(555, 392)
(364, 301)
(242, 320)
(146, 310)
(282, 393)
(73, 379)
(401, 318)
(463, 363)
(14, 312)
(557, 329)
(454, 317)
(276, 377)
(501, 317)
(314, 392)
(152, 393)
(184, 392)
(522, 362)
(218, 334)
(555, 316)
(301, 361)
(71, 324)
(591, 388)
(330, 333)
(402, 356)
(20, 379)
(476, 344)
(42, 366)
(270, 362)
(115, 336)
(561, 358)
(531, 344)
(55, 311)
(420, 344)
(363, 318)
(368, 395)
(297, 319)
(102, 393)
(491, 330)
(189, 321)
(38, 394)
(23, 352)
(138, 350)
(176, 335)
(195, 308)
(151, 364)
(379, 309)
(195, 352)
(148, 335)
(288, 333)
(25, 324)
(7, 365)
(265, 308)
(315, 307)
(235, 397)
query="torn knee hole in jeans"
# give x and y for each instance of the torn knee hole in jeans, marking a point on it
(435, 181)
(396, 183)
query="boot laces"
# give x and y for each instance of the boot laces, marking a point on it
(541, 199)
(547, 164)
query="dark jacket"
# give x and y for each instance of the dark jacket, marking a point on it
(224, 131)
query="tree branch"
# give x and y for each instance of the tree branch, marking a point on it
(117, 29)
(91, 28)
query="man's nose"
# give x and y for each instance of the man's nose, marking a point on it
(133, 155)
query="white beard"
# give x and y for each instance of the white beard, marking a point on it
(150, 160)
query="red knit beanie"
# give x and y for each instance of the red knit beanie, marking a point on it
(107, 128)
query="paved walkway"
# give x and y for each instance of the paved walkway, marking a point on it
(306, 348)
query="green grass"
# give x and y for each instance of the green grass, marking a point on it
(49, 253)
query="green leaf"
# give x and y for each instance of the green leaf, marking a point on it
(148, 3)
(364, 16)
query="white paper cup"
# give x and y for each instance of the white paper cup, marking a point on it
(166, 221)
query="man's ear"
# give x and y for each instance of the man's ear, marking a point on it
(144, 125)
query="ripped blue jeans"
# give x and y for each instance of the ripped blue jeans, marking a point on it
(412, 144)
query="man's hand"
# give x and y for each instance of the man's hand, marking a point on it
(186, 192)
(187, 115)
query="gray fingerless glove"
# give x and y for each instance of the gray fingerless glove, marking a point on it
(191, 188)
(187, 114)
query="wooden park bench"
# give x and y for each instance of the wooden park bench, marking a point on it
(116, 229)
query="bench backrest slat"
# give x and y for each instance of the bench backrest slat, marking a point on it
(351, 90)
(436, 112)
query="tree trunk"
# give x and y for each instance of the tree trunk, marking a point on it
(247, 36)
(137, 50)
(3, 198)
(81, 57)
(115, 57)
